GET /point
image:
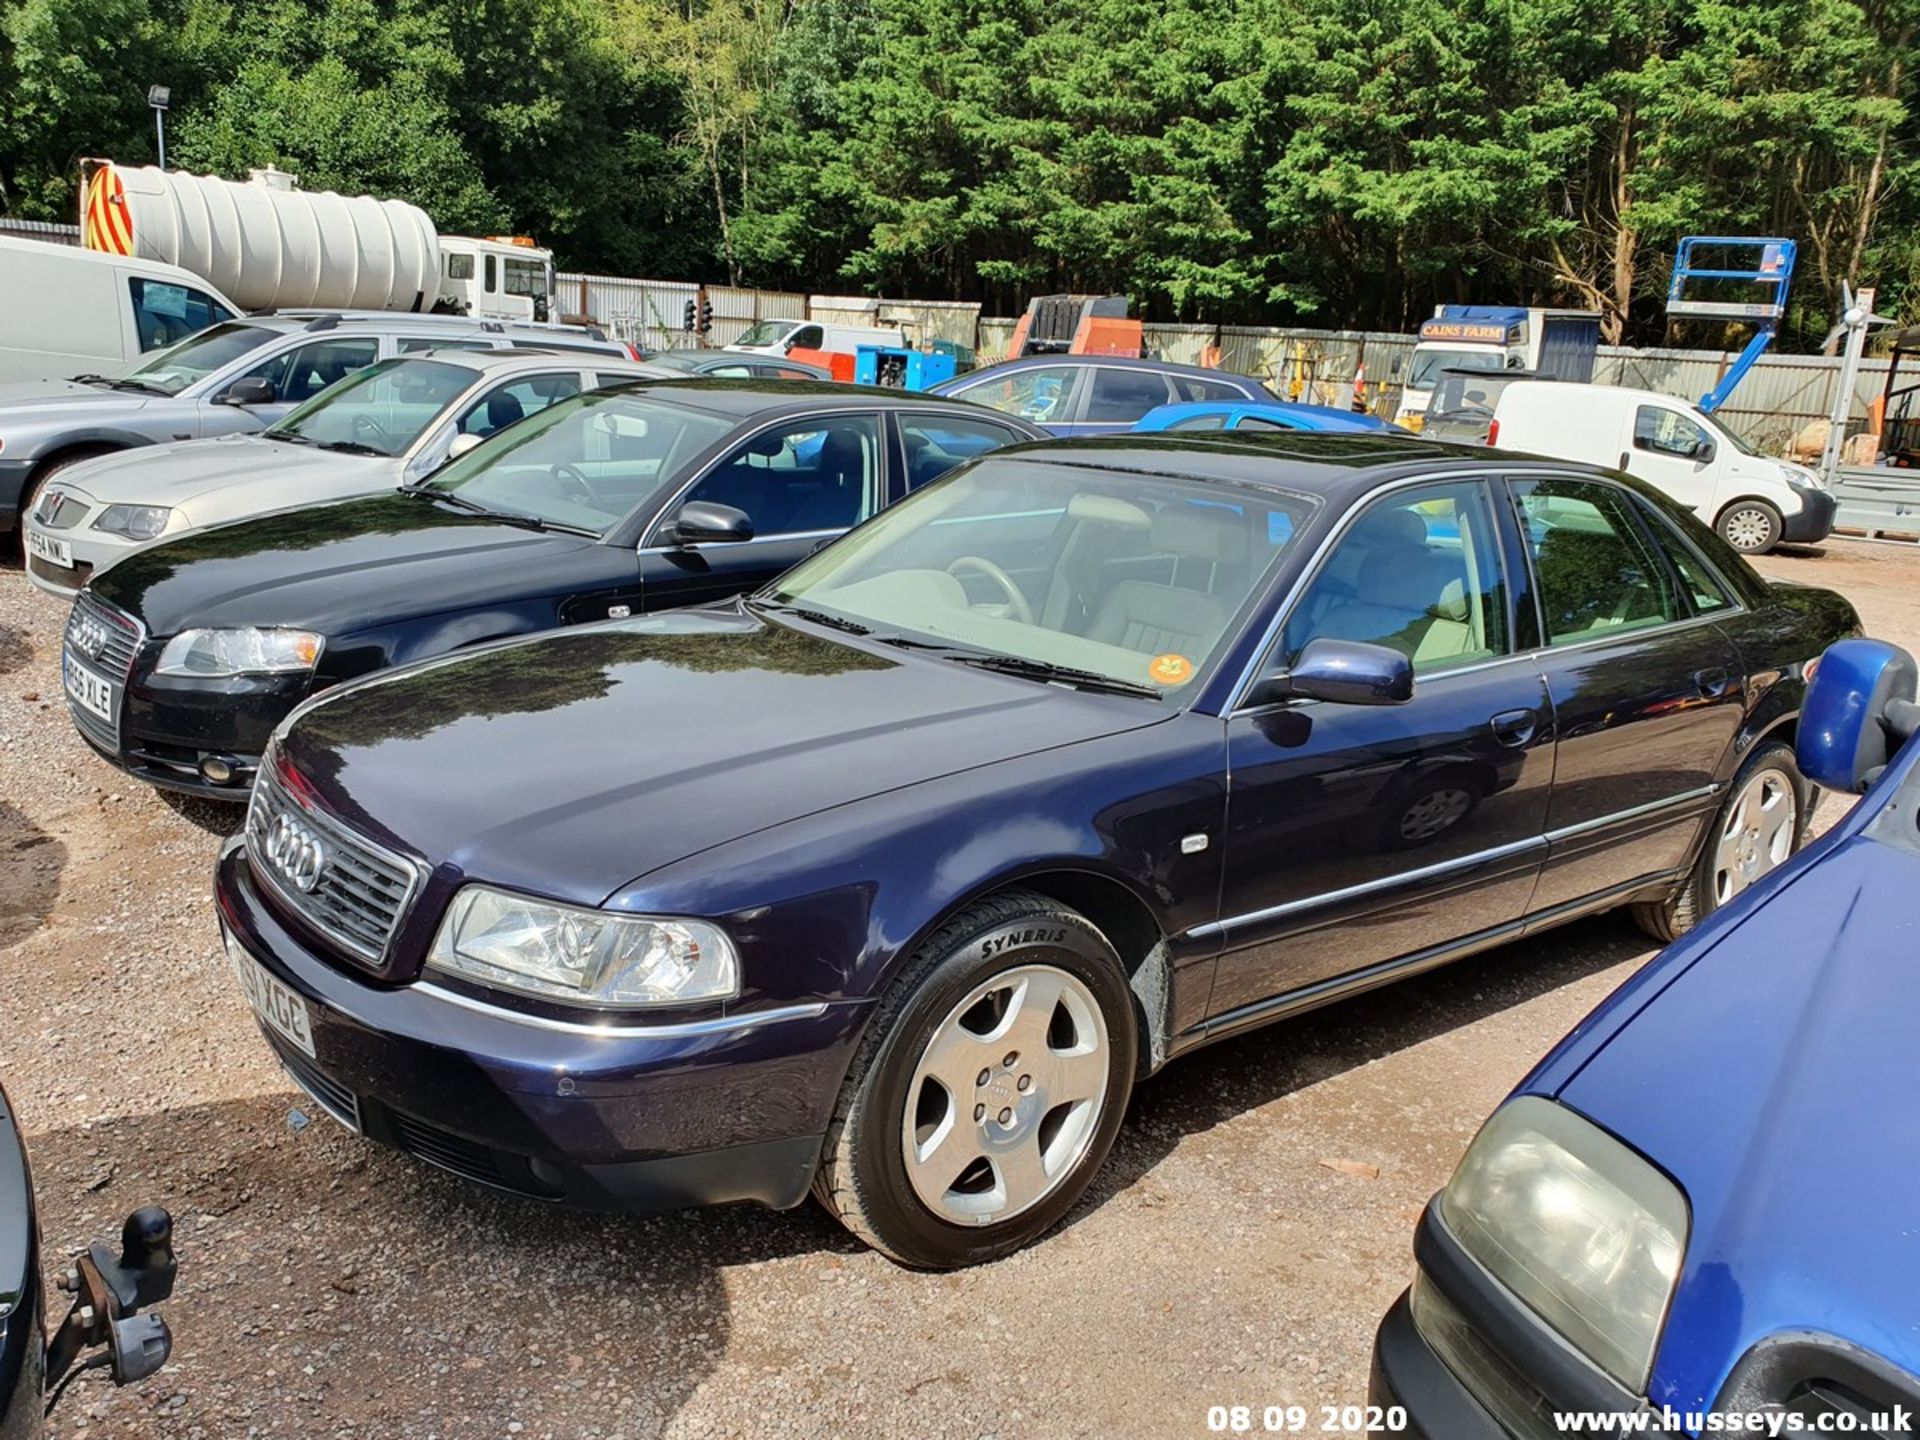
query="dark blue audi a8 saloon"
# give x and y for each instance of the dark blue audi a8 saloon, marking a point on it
(887, 881)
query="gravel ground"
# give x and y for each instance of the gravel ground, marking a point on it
(1251, 1227)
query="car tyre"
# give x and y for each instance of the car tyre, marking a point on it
(1751, 526)
(1016, 977)
(1750, 838)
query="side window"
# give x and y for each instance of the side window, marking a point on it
(937, 443)
(491, 275)
(1123, 395)
(459, 267)
(164, 313)
(784, 372)
(303, 372)
(414, 344)
(1706, 589)
(1596, 572)
(603, 380)
(1260, 422)
(1039, 395)
(733, 372)
(1200, 422)
(501, 407)
(807, 337)
(823, 475)
(1666, 432)
(1418, 572)
(1186, 387)
(526, 277)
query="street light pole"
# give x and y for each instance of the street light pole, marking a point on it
(157, 97)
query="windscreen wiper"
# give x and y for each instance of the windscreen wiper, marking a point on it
(143, 386)
(354, 447)
(818, 617)
(286, 437)
(90, 379)
(1026, 669)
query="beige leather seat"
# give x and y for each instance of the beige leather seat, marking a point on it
(1185, 616)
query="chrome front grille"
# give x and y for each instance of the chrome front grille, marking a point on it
(60, 511)
(353, 892)
(105, 640)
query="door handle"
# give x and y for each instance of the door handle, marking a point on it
(1514, 727)
(1712, 682)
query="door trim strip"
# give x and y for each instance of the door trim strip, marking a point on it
(1652, 807)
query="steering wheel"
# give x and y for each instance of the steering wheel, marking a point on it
(573, 484)
(366, 425)
(1017, 607)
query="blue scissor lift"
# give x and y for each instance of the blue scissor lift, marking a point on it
(1769, 277)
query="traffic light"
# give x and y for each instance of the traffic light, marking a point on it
(706, 315)
(687, 320)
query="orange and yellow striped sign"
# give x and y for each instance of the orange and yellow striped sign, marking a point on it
(108, 226)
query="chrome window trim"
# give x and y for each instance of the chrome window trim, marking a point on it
(669, 1030)
(882, 477)
(1250, 673)
(1464, 862)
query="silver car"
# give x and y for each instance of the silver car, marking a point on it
(389, 424)
(237, 376)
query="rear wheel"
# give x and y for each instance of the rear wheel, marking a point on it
(988, 1090)
(1750, 526)
(1760, 824)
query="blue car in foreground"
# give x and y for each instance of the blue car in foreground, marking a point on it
(1257, 415)
(1697, 1215)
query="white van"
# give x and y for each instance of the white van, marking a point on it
(777, 337)
(1753, 500)
(67, 311)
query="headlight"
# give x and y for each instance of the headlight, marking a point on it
(592, 957)
(213, 653)
(1579, 1227)
(1799, 479)
(136, 522)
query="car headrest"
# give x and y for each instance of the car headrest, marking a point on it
(1392, 526)
(1195, 532)
(1105, 510)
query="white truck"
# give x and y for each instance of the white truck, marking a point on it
(1554, 344)
(273, 246)
(1753, 501)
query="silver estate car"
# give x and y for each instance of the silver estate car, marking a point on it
(387, 425)
(237, 376)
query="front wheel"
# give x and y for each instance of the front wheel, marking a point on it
(988, 1090)
(1760, 824)
(1750, 526)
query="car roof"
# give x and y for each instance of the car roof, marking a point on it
(1340, 466)
(531, 356)
(1180, 409)
(732, 396)
(1165, 367)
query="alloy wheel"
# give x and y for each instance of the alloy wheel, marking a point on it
(1007, 1096)
(1748, 528)
(1757, 835)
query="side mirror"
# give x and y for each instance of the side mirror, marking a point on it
(1858, 711)
(249, 390)
(463, 444)
(1702, 450)
(1344, 672)
(703, 522)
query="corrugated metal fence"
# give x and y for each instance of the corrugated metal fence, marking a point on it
(41, 230)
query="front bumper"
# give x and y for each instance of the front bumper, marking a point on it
(1408, 1376)
(1814, 520)
(614, 1117)
(168, 727)
(89, 550)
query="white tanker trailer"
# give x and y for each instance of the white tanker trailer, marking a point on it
(272, 246)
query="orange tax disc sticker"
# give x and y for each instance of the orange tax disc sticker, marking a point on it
(1170, 669)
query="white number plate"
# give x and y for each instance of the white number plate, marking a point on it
(54, 552)
(278, 1007)
(90, 691)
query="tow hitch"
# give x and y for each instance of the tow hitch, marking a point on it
(108, 1294)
